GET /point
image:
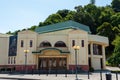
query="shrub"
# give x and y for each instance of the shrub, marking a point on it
(91, 69)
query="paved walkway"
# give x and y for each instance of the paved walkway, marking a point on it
(113, 68)
(93, 76)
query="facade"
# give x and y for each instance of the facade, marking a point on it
(4, 47)
(51, 47)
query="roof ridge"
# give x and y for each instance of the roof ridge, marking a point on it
(62, 25)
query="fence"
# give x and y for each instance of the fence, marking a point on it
(100, 75)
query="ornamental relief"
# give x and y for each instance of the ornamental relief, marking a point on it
(50, 53)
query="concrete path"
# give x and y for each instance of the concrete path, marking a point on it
(93, 76)
(113, 68)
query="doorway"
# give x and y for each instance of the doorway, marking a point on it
(52, 63)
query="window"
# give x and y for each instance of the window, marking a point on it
(9, 60)
(82, 43)
(73, 43)
(60, 44)
(14, 60)
(89, 49)
(45, 44)
(31, 43)
(97, 49)
(22, 43)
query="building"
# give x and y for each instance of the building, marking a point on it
(51, 47)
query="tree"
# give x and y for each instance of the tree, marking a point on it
(117, 30)
(54, 18)
(106, 14)
(92, 1)
(33, 28)
(16, 32)
(63, 13)
(116, 43)
(84, 17)
(115, 19)
(116, 5)
(106, 29)
(9, 32)
(95, 13)
(79, 8)
(69, 16)
(115, 58)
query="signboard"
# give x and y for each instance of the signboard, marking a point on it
(12, 46)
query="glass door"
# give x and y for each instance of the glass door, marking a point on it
(52, 63)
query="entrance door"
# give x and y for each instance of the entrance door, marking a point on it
(52, 63)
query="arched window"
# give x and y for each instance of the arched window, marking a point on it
(60, 44)
(45, 44)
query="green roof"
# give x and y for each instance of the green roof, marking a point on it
(61, 26)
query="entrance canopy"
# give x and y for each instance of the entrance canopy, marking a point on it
(60, 50)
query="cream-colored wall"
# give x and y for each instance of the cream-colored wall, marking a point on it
(98, 39)
(64, 35)
(96, 63)
(67, 36)
(4, 45)
(82, 57)
(53, 37)
(26, 36)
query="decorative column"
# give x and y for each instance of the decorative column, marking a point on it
(104, 58)
(36, 61)
(91, 51)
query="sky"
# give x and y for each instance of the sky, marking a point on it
(22, 14)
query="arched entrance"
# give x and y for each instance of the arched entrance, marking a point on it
(52, 59)
(52, 63)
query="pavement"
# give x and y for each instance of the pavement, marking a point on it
(113, 68)
(93, 76)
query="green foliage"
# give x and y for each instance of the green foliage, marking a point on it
(63, 13)
(84, 17)
(116, 71)
(107, 63)
(69, 16)
(106, 14)
(116, 5)
(9, 32)
(117, 30)
(106, 29)
(92, 1)
(114, 60)
(91, 69)
(33, 28)
(54, 18)
(115, 19)
(13, 33)
(116, 42)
